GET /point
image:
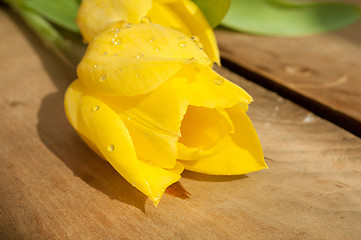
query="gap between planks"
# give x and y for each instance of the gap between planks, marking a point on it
(339, 118)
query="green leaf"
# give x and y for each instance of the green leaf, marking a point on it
(42, 28)
(48, 34)
(59, 12)
(213, 10)
(285, 18)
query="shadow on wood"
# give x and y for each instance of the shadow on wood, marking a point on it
(58, 136)
(211, 178)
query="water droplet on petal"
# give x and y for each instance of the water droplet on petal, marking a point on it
(182, 44)
(145, 19)
(206, 60)
(133, 184)
(199, 45)
(105, 53)
(102, 77)
(95, 66)
(95, 108)
(151, 39)
(116, 41)
(156, 49)
(110, 148)
(156, 200)
(195, 39)
(219, 81)
(193, 59)
(126, 25)
(129, 118)
(118, 70)
(116, 30)
(181, 36)
(139, 55)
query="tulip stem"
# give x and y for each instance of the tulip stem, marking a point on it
(47, 33)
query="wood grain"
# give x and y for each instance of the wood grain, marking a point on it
(322, 72)
(53, 187)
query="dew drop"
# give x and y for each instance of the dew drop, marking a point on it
(151, 39)
(129, 118)
(183, 44)
(116, 41)
(156, 49)
(199, 45)
(133, 184)
(102, 77)
(156, 200)
(139, 55)
(193, 59)
(126, 25)
(118, 70)
(145, 19)
(110, 148)
(95, 66)
(195, 39)
(116, 30)
(95, 108)
(182, 36)
(206, 60)
(219, 81)
(105, 53)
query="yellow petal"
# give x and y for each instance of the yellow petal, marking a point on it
(145, 56)
(203, 127)
(192, 153)
(198, 25)
(204, 132)
(95, 15)
(159, 179)
(151, 145)
(211, 90)
(164, 15)
(93, 119)
(153, 120)
(182, 15)
(242, 154)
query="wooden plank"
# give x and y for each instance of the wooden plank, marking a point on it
(54, 187)
(322, 72)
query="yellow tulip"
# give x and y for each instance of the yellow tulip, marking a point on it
(148, 101)
(182, 15)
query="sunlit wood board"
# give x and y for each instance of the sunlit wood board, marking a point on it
(324, 70)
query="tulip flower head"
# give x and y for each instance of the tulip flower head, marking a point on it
(181, 15)
(148, 101)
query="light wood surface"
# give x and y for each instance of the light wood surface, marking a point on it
(322, 70)
(54, 187)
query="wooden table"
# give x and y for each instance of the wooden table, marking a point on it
(54, 187)
(321, 72)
